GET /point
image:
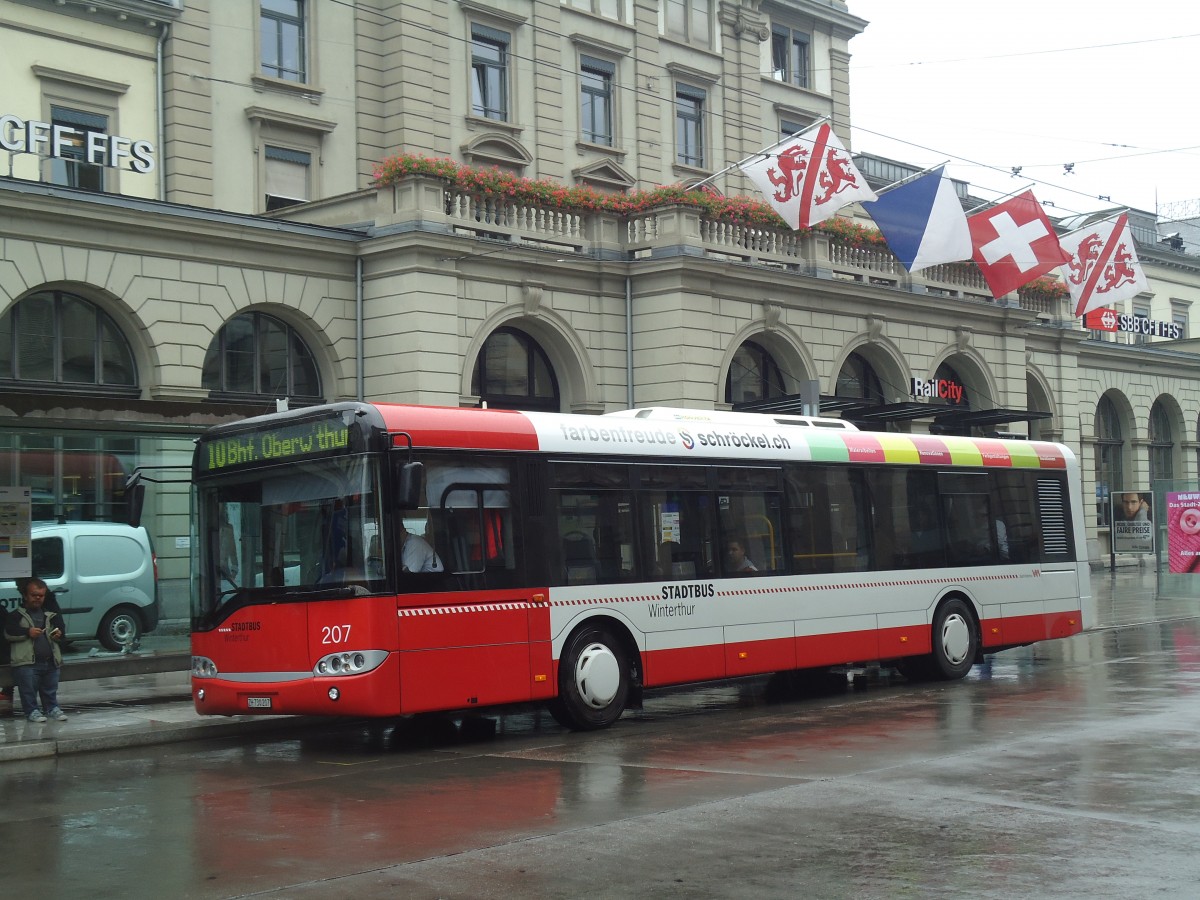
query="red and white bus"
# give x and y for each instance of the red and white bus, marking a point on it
(578, 560)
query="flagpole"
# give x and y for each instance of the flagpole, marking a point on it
(1001, 198)
(908, 178)
(764, 152)
(1111, 218)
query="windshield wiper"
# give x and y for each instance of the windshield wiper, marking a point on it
(225, 595)
(322, 593)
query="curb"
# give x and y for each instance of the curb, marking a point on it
(157, 733)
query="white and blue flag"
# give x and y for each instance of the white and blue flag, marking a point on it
(923, 222)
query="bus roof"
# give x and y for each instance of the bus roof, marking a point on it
(670, 414)
(703, 436)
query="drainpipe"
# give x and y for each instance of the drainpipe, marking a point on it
(160, 103)
(358, 325)
(628, 341)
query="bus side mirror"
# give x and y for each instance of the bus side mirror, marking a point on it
(408, 491)
(135, 497)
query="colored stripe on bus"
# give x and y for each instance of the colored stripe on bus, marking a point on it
(436, 426)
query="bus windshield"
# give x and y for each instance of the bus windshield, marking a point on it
(309, 531)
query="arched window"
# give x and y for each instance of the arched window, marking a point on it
(858, 380)
(513, 372)
(1162, 446)
(1039, 429)
(1110, 444)
(753, 375)
(257, 355)
(57, 338)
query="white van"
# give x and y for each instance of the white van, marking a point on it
(104, 578)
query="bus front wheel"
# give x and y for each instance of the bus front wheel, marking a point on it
(955, 640)
(593, 680)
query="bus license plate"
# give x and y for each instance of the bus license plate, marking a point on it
(258, 702)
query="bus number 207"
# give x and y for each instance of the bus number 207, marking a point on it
(335, 634)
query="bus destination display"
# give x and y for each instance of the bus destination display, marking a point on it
(284, 442)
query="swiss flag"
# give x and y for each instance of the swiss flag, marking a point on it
(1014, 243)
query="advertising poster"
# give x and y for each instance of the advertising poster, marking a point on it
(1183, 532)
(1132, 522)
(15, 510)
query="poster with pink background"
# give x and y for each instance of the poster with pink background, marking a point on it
(1183, 532)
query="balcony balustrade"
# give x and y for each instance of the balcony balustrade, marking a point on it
(683, 229)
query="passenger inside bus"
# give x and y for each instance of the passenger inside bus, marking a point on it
(736, 561)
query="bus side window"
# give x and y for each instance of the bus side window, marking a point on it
(969, 538)
(595, 536)
(678, 535)
(751, 522)
(828, 519)
(915, 522)
(471, 521)
(1014, 503)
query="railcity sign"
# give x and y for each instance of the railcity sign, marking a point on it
(944, 388)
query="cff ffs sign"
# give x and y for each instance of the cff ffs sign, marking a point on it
(19, 135)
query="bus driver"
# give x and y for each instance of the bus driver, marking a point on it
(416, 555)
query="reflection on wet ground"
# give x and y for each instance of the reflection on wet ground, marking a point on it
(1130, 595)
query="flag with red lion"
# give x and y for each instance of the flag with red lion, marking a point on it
(808, 177)
(1103, 269)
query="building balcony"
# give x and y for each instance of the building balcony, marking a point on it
(431, 203)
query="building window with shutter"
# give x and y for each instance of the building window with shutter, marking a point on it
(287, 177)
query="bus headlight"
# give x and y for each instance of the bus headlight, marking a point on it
(203, 667)
(349, 662)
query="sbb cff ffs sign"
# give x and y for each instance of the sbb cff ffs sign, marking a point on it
(1106, 319)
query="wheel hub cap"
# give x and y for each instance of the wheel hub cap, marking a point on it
(956, 639)
(598, 676)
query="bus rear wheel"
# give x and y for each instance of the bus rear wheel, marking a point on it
(593, 680)
(955, 640)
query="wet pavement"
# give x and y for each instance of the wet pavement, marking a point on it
(1064, 769)
(139, 710)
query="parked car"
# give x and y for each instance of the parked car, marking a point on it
(104, 576)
